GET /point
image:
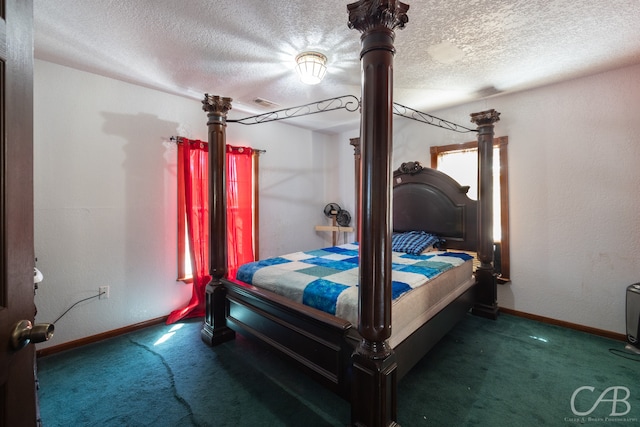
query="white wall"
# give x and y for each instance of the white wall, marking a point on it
(574, 208)
(340, 183)
(105, 196)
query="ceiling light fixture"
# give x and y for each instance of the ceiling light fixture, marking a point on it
(311, 67)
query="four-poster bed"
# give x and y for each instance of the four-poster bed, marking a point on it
(355, 359)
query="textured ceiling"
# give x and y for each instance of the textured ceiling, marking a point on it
(450, 52)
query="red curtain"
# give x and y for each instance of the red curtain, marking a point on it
(239, 207)
(196, 187)
(194, 154)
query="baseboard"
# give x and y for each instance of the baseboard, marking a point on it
(121, 331)
(594, 331)
(100, 337)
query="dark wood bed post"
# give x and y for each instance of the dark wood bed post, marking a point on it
(355, 142)
(215, 329)
(374, 388)
(486, 305)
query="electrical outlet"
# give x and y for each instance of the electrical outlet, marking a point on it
(103, 292)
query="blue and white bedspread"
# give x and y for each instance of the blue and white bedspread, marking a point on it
(327, 279)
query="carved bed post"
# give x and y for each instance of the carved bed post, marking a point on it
(486, 305)
(373, 391)
(355, 142)
(215, 329)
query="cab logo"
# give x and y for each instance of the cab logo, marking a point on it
(616, 396)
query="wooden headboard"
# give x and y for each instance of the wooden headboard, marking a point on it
(428, 200)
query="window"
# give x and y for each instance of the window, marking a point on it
(184, 260)
(460, 161)
(242, 203)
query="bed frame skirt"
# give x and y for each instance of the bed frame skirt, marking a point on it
(319, 343)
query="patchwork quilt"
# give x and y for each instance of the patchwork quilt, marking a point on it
(327, 279)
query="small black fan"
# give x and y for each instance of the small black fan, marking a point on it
(332, 210)
(341, 216)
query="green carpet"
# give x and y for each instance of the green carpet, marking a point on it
(509, 372)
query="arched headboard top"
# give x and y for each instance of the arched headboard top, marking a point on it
(428, 200)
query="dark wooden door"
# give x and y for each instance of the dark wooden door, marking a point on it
(18, 405)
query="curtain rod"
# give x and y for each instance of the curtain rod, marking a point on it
(178, 139)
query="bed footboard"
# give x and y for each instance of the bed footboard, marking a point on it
(318, 343)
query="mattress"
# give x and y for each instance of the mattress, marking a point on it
(327, 279)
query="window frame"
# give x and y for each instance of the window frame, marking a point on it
(502, 144)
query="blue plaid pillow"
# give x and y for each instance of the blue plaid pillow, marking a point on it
(413, 242)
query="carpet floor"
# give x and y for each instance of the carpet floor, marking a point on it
(509, 372)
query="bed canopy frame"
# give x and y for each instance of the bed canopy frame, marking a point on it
(357, 364)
